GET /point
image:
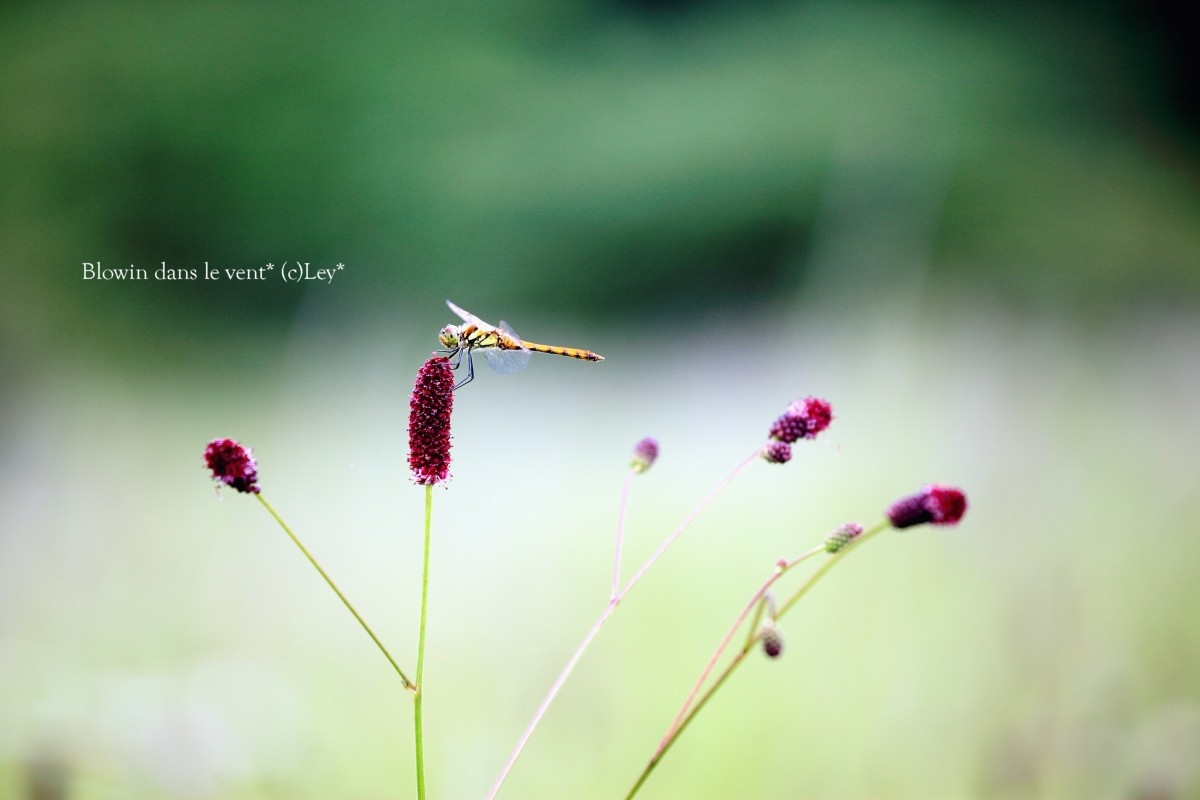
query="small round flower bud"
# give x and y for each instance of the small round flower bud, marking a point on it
(777, 452)
(772, 642)
(645, 453)
(842, 536)
(429, 421)
(232, 464)
(935, 504)
(803, 419)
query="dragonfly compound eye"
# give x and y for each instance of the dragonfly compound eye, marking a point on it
(448, 336)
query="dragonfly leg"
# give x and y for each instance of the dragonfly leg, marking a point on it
(453, 353)
(470, 368)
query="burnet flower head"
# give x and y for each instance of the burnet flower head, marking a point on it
(232, 464)
(803, 419)
(935, 504)
(429, 421)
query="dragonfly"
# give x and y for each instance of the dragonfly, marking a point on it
(506, 352)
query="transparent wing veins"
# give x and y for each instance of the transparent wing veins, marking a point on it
(506, 362)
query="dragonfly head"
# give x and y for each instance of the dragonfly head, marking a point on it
(448, 336)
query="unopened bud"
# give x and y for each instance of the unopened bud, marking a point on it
(843, 535)
(645, 453)
(772, 642)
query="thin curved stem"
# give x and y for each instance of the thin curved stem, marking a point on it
(616, 577)
(752, 629)
(666, 745)
(550, 695)
(687, 521)
(756, 600)
(678, 729)
(409, 685)
(613, 602)
(828, 565)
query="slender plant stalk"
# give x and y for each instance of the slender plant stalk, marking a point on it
(752, 631)
(665, 746)
(550, 695)
(677, 730)
(409, 685)
(687, 521)
(419, 695)
(755, 601)
(616, 580)
(611, 606)
(828, 565)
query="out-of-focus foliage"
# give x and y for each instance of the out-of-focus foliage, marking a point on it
(618, 157)
(158, 642)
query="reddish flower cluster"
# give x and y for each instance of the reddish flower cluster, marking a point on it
(803, 419)
(935, 504)
(232, 464)
(645, 453)
(429, 421)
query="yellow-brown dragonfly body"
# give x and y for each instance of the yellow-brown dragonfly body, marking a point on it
(506, 352)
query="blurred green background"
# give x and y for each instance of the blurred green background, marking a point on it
(975, 228)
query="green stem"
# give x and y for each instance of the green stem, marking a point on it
(678, 730)
(752, 631)
(420, 692)
(828, 565)
(758, 601)
(674, 737)
(409, 685)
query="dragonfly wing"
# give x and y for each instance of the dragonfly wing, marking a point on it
(506, 362)
(467, 316)
(506, 328)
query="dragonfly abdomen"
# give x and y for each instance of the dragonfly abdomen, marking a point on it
(569, 352)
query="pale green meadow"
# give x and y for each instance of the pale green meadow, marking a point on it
(159, 640)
